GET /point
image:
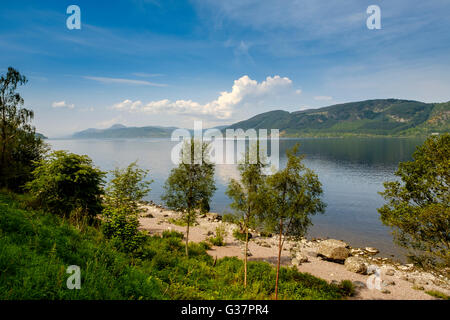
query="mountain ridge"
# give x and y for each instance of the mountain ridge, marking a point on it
(376, 117)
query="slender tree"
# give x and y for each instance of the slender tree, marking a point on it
(418, 204)
(190, 186)
(245, 194)
(290, 197)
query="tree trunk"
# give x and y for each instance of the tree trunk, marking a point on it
(245, 257)
(187, 237)
(279, 259)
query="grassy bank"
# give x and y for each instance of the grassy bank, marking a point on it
(36, 248)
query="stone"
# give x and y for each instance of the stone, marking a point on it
(311, 254)
(334, 250)
(389, 272)
(386, 283)
(371, 250)
(385, 291)
(301, 258)
(355, 264)
(359, 284)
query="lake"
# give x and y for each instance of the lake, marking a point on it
(351, 170)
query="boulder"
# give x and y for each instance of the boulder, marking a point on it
(301, 257)
(371, 250)
(390, 272)
(355, 264)
(334, 250)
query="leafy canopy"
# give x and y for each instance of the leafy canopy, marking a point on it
(19, 144)
(418, 205)
(63, 182)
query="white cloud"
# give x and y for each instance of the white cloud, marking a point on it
(323, 98)
(125, 81)
(298, 91)
(244, 90)
(62, 104)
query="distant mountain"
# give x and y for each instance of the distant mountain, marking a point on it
(372, 117)
(40, 135)
(121, 131)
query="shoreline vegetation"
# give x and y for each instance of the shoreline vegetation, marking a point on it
(58, 211)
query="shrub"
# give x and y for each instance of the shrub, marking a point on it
(347, 288)
(127, 188)
(240, 235)
(64, 181)
(231, 218)
(221, 233)
(438, 294)
(123, 194)
(122, 228)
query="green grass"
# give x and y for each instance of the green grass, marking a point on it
(37, 247)
(438, 294)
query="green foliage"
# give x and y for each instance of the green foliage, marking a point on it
(63, 182)
(121, 214)
(347, 288)
(291, 196)
(221, 233)
(36, 248)
(229, 217)
(20, 147)
(438, 294)
(122, 228)
(127, 188)
(418, 208)
(190, 186)
(241, 235)
(245, 194)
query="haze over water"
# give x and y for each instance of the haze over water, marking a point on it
(352, 172)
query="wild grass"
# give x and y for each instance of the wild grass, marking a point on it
(37, 247)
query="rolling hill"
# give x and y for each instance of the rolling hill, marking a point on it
(385, 117)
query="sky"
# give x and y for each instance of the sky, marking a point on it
(168, 63)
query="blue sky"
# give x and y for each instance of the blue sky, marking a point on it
(154, 62)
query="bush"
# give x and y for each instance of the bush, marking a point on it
(64, 181)
(231, 218)
(121, 213)
(347, 288)
(221, 233)
(122, 229)
(240, 235)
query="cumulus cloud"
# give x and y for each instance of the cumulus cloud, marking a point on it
(243, 90)
(62, 104)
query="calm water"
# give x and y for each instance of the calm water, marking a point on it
(351, 170)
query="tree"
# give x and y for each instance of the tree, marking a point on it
(190, 186)
(290, 197)
(63, 182)
(19, 144)
(245, 194)
(121, 214)
(418, 208)
(127, 188)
